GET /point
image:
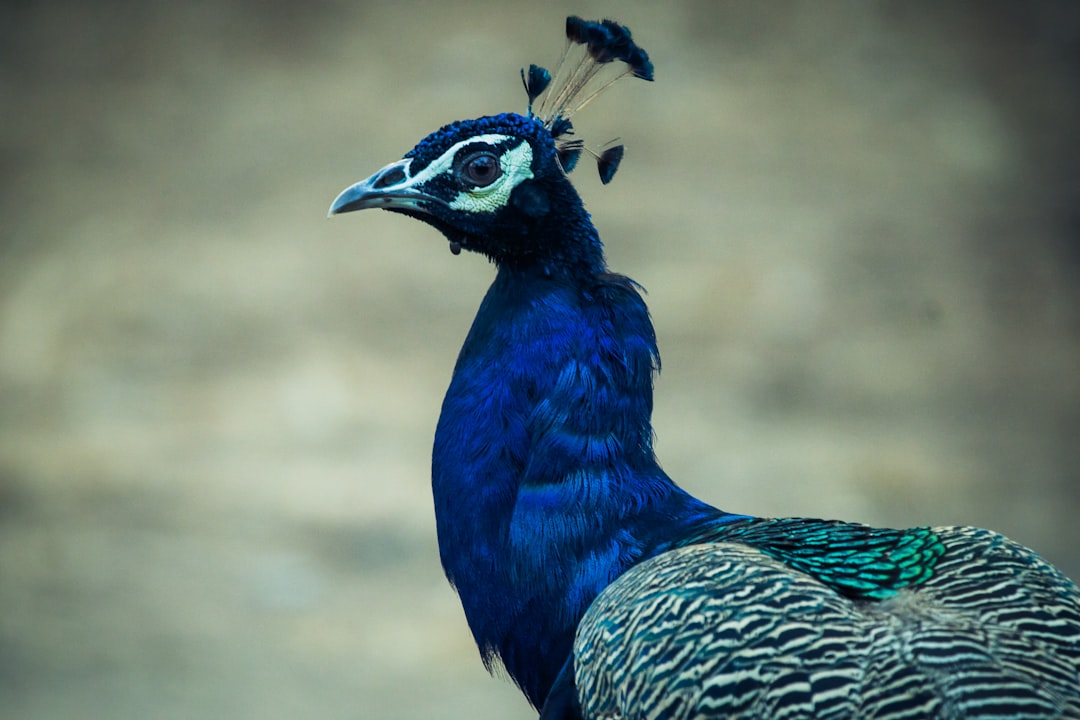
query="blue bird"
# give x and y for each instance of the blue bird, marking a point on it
(603, 588)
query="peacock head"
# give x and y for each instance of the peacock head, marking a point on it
(498, 185)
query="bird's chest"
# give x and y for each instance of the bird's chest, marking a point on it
(546, 414)
(513, 575)
(487, 443)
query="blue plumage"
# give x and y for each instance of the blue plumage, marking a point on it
(546, 486)
(603, 588)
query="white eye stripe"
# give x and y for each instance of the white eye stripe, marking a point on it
(445, 162)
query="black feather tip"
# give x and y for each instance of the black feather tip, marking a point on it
(536, 82)
(608, 163)
(569, 153)
(639, 63)
(575, 29)
(561, 126)
(606, 41)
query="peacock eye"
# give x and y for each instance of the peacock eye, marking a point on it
(480, 169)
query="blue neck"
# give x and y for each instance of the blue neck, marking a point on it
(545, 483)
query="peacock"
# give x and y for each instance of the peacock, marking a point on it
(603, 588)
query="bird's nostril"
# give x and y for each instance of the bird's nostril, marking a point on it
(392, 177)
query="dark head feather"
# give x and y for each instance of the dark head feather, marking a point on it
(536, 82)
(569, 153)
(608, 162)
(575, 29)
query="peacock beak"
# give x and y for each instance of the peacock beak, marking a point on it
(391, 188)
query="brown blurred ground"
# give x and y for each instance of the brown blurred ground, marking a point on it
(857, 223)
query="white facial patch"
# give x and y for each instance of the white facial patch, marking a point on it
(516, 165)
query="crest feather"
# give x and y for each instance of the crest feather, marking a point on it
(597, 55)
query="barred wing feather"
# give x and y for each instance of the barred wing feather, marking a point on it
(725, 631)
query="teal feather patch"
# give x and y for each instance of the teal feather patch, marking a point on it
(855, 560)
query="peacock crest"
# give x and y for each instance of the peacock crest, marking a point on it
(597, 54)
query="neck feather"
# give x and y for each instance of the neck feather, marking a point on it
(545, 483)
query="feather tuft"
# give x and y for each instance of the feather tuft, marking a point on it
(569, 153)
(607, 53)
(536, 82)
(561, 126)
(639, 63)
(608, 162)
(575, 29)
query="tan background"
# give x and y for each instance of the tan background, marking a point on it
(857, 223)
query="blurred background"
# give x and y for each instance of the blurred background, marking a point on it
(857, 221)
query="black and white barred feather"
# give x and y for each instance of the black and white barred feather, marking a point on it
(723, 630)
